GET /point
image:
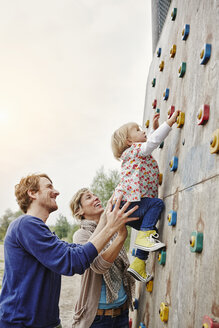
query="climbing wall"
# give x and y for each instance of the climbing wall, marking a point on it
(184, 75)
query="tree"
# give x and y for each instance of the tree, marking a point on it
(62, 226)
(104, 184)
(71, 232)
(6, 219)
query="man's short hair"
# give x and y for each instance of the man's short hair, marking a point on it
(75, 203)
(29, 183)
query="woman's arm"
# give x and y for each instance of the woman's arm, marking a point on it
(111, 253)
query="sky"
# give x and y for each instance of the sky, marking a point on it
(71, 72)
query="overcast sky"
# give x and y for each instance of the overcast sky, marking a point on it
(71, 72)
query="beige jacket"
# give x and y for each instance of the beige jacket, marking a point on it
(91, 282)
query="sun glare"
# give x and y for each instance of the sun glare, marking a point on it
(3, 116)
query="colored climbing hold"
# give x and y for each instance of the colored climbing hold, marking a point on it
(162, 257)
(180, 120)
(185, 32)
(147, 123)
(214, 143)
(166, 94)
(135, 304)
(171, 111)
(196, 242)
(173, 51)
(164, 312)
(203, 114)
(142, 325)
(160, 178)
(162, 144)
(157, 110)
(161, 66)
(133, 252)
(205, 54)
(153, 82)
(173, 164)
(172, 217)
(149, 286)
(182, 69)
(173, 14)
(130, 323)
(159, 52)
(154, 103)
(209, 322)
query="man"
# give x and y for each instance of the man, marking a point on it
(35, 258)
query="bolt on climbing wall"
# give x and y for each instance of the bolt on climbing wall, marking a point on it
(184, 76)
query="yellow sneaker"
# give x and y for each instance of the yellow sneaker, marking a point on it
(138, 270)
(147, 241)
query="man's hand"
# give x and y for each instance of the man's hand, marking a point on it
(123, 233)
(117, 218)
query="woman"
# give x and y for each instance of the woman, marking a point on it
(106, 287)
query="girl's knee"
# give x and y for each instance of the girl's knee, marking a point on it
(161, 203)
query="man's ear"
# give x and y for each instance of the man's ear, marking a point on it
(129, 142)
(31, 194)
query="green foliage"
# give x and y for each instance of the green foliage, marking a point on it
(6, 219)
(1, 277)
(127, 241)
(71, 232)
(104, 184)
(62, 227)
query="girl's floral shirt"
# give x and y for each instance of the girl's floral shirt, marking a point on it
(139, 175)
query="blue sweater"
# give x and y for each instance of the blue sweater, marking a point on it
(35, 259)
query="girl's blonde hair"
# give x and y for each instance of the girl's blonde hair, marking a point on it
(119, 139)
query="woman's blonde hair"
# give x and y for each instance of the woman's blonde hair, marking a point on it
(119, 139)
(29, 183)
(75, 203)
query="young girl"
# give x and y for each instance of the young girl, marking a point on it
(139, 185)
